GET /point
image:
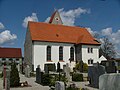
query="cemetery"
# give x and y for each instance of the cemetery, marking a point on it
(98, 76)
(64, 79)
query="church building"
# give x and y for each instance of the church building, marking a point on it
(53, 42)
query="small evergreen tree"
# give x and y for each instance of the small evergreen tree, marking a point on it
(14, 76)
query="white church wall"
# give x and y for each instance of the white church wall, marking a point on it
(39, 57)
(86, 56)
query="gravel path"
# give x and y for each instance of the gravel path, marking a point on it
(31, 82)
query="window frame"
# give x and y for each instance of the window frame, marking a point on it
(60, 53)
(48, 53)
(72, 53)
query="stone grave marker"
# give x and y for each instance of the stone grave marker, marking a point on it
(38, 74)
(27, 71)
(7, 80)
(93, 74)
(46, 69)
(6, 76)
(109, 81)
(59, 85)
(110, 67)
(67, 72)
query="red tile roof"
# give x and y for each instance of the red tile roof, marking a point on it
(59, 33)
(10, 53)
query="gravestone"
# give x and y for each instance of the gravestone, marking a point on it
(59, 85)
(110, 67)
(27, 71)
(67, 72)
(93, 74)
(7, 80)
(64, 66)
(109, 81)
(46, 69)
(38, 74)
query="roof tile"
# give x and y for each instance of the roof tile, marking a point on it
(60, 33)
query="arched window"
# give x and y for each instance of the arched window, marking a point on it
(72, 54)
(91, 50)
(90, 61)
(60, 53)
(48, 53)
(88, 50)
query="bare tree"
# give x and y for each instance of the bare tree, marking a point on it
(107, 49)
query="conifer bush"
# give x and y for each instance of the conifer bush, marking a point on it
(14, 76)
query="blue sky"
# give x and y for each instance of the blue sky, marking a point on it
(102, 16)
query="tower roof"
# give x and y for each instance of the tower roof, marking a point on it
(55, 18)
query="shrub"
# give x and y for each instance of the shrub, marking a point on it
(46, 78)
(56, 78)
(1, 74)
(85, 67)
(14, 76)
(77, 77)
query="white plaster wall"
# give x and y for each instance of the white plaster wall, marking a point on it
(39, 55)
(86, 55)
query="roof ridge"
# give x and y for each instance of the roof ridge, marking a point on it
(58, 25)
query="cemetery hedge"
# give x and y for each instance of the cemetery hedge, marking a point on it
(46, 78)
(14, 76)
(49, 79)
(77, 77)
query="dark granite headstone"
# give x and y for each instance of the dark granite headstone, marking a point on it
(110, 66)
(93, 74)
(38, 74)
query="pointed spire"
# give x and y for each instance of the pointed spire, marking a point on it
(55, 18)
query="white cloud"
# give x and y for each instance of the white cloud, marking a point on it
(114, 37)
(1, 26)
(68, 17)
(91, 31)
(107, 32)
(33, 17)
(6, 36)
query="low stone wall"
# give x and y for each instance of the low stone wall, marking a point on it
(109, 81)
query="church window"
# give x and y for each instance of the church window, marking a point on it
(90, 61)
(90, 50)
(72, 54)
(48, 53)
(60, 53)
